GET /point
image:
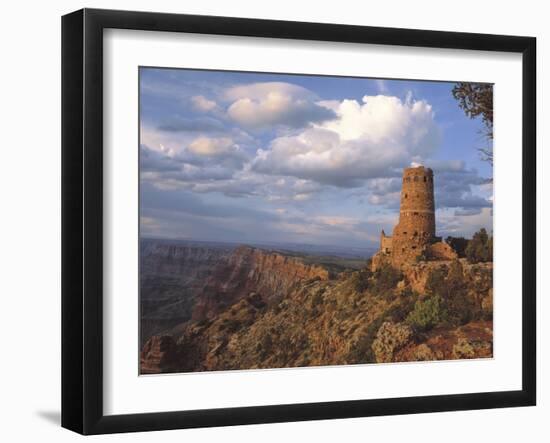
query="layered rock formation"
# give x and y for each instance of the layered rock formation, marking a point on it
(479, 276)
(261, 309)
(250, 270)
(188, 263)
(171, 277)
(473, 340)
(160, 354)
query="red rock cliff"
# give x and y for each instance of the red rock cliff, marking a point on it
(248, 270)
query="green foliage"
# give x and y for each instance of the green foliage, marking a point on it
(480, 248)
(398, 312)
(427, 314)
(435, 284)
(360, 280)
(361, 350)
(451, 287)
(460, 308)
(458, 244)
(476, 99)
(317, 299)
(385, 280)
(446, 282)
(454, 282)
(265, 346)
(230, 325)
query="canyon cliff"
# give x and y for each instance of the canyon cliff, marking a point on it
(171, 277)
(269, 275)
(245, 308)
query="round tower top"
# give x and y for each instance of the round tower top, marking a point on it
(417, 171)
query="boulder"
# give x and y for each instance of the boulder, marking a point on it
(159, 354)
(389, 339)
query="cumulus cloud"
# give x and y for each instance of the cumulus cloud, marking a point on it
(450, 222)
(220, 151)
(260, 90)
(211, 147)
(202, 104)
(264, 105)
(456, 186)
(156, 161)
(371, 139)
(174, 159)
(246, 183)
(466, 212)
(186, 202)
(201, 124)
(384, 191)
(405, 125)
(365, 146)
(296, 168)
(165, 169)
(187, 174)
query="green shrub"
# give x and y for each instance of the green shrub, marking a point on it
(436, 284)
(427, 313)
(265, 346)
(317, 299)
(385, 280)
(451, 287)
(361, 350)
(480, 248)
(360, 280)
(231, 325)
(460, 308)
(446, 282)
(399, 312)
(458, 244)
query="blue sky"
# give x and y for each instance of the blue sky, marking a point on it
(256, 158)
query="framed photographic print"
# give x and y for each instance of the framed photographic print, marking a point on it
(270, 221)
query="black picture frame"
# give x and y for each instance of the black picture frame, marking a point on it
(82, 218)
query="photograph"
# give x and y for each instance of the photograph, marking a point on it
(265, 222)
(300, 220)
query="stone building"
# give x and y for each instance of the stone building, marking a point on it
(414, 236)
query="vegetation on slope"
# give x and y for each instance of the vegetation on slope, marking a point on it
(355, 317)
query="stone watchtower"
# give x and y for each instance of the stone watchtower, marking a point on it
(414, 235)
(416, 227)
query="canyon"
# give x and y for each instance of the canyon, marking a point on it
(208, 307)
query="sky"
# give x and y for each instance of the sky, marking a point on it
(277, 158)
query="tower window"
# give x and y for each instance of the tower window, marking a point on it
(405, 195)
(416, 213)
(425, 178)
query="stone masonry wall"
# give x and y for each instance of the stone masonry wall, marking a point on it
(385, 243)
(416, 227)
